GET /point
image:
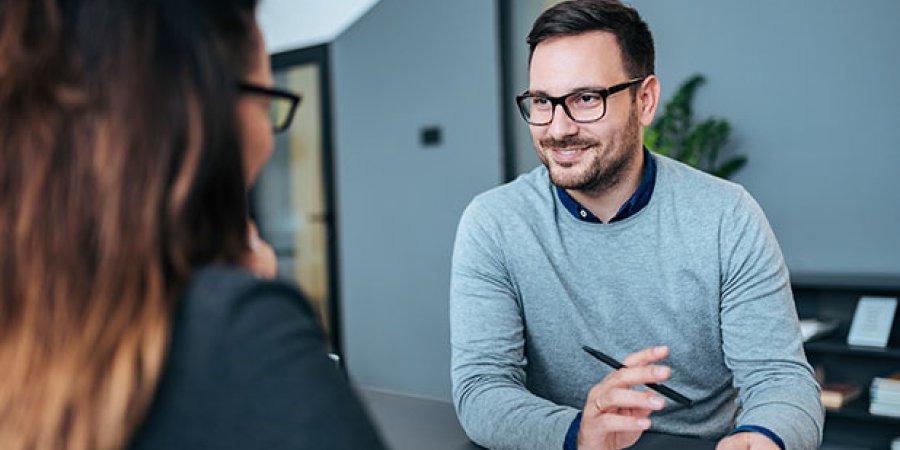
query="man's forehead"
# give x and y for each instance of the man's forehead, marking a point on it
(598, 44)
(570, 62)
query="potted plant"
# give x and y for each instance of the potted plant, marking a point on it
(675, 134)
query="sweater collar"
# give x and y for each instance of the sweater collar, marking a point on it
(638, 200)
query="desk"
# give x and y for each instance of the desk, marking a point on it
(410, 423)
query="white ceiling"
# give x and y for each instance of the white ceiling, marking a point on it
(291, 24)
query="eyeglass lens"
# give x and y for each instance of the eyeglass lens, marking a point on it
(279, 112)
(579, 106)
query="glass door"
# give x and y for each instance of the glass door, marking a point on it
(292, 201)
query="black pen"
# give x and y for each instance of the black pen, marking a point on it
(668, 392)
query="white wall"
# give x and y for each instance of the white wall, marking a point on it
(405, 65)
(291, 24)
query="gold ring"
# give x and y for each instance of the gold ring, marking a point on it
(597, 404)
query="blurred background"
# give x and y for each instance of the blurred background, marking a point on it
(408, 113)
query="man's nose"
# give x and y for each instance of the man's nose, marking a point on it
(562, 125)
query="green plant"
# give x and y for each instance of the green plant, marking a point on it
(700, 145)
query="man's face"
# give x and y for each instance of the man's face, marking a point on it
(585, 156)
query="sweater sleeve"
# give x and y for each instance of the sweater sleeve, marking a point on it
(277, 387)
(488, 348)
(760, 332)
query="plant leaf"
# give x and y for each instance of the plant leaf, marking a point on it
(728, 168)
(700, 145)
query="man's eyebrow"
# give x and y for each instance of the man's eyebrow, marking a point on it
(541, 93)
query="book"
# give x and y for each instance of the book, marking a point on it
(836, 395)
(888, 382)
(881, 409)
(881, 395)
(871, 326)
(885, 394)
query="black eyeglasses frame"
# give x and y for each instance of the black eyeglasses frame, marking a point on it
(277, 93)
(561, 100)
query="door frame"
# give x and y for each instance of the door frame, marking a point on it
(319, 55)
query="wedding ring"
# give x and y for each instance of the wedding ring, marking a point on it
(597, 404)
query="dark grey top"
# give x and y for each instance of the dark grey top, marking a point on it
(247, 369)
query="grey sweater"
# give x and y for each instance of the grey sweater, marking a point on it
(697, 269)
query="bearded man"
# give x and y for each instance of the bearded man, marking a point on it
(673, 271)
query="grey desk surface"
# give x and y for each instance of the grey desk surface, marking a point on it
(410, 423)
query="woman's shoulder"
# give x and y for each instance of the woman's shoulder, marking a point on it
(224, 309)
(221, 294)
(218, 289)
(247, 368)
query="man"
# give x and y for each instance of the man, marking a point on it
(670, 270)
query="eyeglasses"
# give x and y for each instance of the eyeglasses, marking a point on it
(282, 104)
(584, 106)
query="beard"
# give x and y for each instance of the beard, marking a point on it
(605, 162)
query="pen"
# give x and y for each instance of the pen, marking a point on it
(606, 359)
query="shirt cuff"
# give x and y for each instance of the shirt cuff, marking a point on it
(743, 428)
(571, 442)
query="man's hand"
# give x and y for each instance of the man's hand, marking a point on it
(615, 415)
(261, 259)
(746, 441)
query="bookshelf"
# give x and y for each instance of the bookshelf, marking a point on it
(838, 346)
(831, 297)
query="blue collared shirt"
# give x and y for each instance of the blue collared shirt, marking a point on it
(638, 200)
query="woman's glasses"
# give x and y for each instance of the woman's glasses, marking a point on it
(282, 104)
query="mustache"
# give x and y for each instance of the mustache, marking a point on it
(567, 142)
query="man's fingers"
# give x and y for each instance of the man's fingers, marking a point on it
(615, 423)
(606, 392)
(628, 399)
(646, 356)
(634, 376)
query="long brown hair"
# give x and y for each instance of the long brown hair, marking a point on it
(120, 174)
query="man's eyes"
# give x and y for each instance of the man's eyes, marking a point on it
(588, 98)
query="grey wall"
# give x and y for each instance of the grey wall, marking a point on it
(408, 64)
(522, 14)
(812, 90)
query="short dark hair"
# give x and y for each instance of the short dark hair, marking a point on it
(581, 16)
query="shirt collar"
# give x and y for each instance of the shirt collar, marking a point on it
(637, 202)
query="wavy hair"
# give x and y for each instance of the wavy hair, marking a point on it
(120, 174)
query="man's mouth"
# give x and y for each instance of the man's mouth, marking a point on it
(565, 154)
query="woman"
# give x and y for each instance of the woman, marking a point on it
(129, 132)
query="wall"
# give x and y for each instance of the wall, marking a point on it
(812, 92)
(521, 17)
(405, 65)
(811, 89)
(292, 24)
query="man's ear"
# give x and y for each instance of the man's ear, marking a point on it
(648, 99)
